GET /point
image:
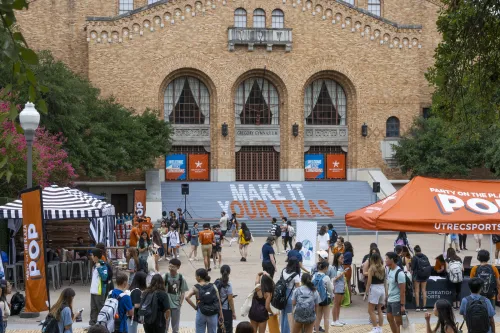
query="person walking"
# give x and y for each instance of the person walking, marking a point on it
(217, 245)
(98, 285)
(284, 233)
(208, 303)
(156, 293)
(291, 274)
(305, 301)
(245, 237)
(176, 286)
(137, 287)
(323, 239)
(290, 233)
(446, 318)
(175, 241)
(275, 232)
(338, 288)
(234, 229)
(143, 246)
(268, 259)
(225, 289)
(376, 291)
(455, 272)
(223, 223)
(164, 240)
(133, 263)
(206, 238)
(462, 241)
(194, 242)
(478, 312)
(295, 253)
(478, 238)
(261, 302)
(396, 292)
(421, 271)
(453, 239)
(489, 275)
(183, 227)
(125, 306)
(62, 311)
(324, 286)
(496, 240)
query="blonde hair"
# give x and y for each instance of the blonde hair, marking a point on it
(376, 266)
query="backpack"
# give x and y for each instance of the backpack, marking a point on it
(50, 324)
(455, 273)
(169, 288)
(489, 288)
(218, 284)
(277, 231)
(110, 273)
(496, 238)
(291, 231)
(320, 287)
(5, 257)
(305, 308)
(280, 298)
(109, 313)
(208, 301)
(476, 315)
(247, 235)
(399, 241)
(333, 237)
(188, 236)
(408, 285)
(424, 268)
(148, 309)
(229, 224)
(16, 304)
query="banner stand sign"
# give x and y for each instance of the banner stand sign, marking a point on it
(307, 232)
(139, 203)
(37, 296)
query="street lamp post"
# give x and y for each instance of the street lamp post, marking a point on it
(29, 118)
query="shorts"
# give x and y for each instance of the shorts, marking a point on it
(478, 236)
(394, 308)
(206, 250)
(233, 227)
(224, 232)
(377, 294)
(497, 246)
(217, 248)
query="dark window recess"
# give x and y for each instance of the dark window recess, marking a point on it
(120, 201)
(325, 110)
(426, 113)
(186, 111)
(257, 163)
(256, 111)
(392, 127)
(188, 150)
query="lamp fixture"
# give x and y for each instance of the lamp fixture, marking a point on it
(364, 130)
(225, 130)
(295, 130)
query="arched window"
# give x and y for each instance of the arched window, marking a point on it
(392, 127)
(259, 18)
(187, 101)
(256, 103)
(325, 103)
(125, 6)
(374, 7)
(240, 18)
(278, 19)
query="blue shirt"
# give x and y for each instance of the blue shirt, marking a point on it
(65, 321)
(347, 258)
(295, 253)
(491, 310)
(124, 305)
(267, 249)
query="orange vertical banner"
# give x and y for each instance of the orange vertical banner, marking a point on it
(199, 167)
(335, 166)
(37, 296)
(139, 203)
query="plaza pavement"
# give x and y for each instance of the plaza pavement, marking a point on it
(243, 276)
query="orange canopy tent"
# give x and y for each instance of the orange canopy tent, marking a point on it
(435, 206)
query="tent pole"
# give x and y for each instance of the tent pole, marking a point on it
(376, 236)
(347, 232)
(491, 249)
(444, 245)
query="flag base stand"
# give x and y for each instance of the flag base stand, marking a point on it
(29, 314)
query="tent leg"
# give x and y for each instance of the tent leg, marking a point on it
(491, 249)
(444, 245)
(347, 232)
(376, 237)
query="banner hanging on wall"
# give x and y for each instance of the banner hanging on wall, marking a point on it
(140, 203)
(199, 167)
(175, 167)
(335, 166)
(314, 164)
(306, 234)
(37, 296)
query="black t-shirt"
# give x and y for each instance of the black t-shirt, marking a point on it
(135, 295)
(163, 306)
(365, 258)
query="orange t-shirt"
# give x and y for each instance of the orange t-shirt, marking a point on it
(147, 227)
(134, 237)
(206, 237)
(495, 271)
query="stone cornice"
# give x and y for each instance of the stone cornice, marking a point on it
(336, 13)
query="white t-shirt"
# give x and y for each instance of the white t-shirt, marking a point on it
(295, 280)
(324, 242)
(223, 223)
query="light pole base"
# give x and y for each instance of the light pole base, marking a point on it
(29, 314)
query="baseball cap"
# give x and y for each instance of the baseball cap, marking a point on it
(323, 254)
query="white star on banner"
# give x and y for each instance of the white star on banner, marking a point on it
(199, 164)
(336, 164)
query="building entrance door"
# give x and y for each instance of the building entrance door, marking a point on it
(257, 163)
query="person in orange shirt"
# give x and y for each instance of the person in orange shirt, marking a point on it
(134, 236)
(146, 225)
(339, 246)
(490, 287)
(206, 238)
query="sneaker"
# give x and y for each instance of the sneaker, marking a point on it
(379, 329)
(191, 259)
(458, 251)
(160, 259)
(337, 324)
(242, 259)
(231, 242)
(277, 253)
(208, 270)
(321, 329)
(477, 250)
(343, 323)
(465, 249)
(374, 330)
(417, 309)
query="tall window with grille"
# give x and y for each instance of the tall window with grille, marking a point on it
(187, 101)
(374, 7)
(256, 103)
(325, 103)
(240, 18)
(325, 151)
(278, 19)
(259, 18)
(392, 127)
(125, 6)
(257, 163)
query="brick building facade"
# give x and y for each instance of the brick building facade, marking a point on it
(328, 66)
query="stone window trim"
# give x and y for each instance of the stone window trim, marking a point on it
(259, 18)
(125, 6)
(392, 127)
(240, 18)
(277, 19)
(325, 103)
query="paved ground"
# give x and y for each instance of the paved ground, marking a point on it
(243, 275)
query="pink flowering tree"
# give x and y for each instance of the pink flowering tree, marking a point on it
(50, 165)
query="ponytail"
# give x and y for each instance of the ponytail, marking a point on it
(307, 281)
(225, 270)
(203, 274)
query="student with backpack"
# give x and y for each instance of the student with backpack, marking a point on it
(488, 274)
(61, 313)
(154, 311)
(402, 240)
(338, 288)
(98, 285)
(143, 246)
(323, 285)
(137, 287)
(283, 290)
(225, 289)
(195, 242)
(455, 271)
(477, 311)
(305, 302)
(206, 238)
(176, 287)
(117, 307)
(208, 304)
(396, 292)
(245, 237)
(333, 236)
(268, 259)
(275, 233)
(421, 270)
(217, 245)
(446, 318)
(261, 302)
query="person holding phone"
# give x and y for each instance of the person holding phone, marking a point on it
(338, 288)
